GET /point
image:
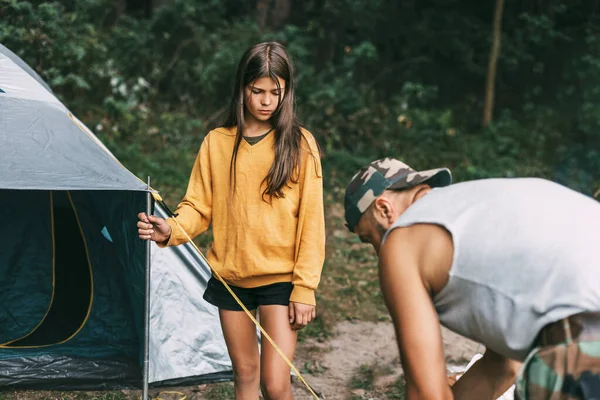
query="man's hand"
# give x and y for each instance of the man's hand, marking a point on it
(301, 314)
(153, 228)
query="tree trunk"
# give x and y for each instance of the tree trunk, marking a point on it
(280, 14)
(262, 11)
(272, 16)
(491, 74)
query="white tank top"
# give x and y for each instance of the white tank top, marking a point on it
(526, 253)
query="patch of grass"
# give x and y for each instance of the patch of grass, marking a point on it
(316, 329)
(363, 378)
(364, 385)
(397, 390)
(349, 288)
(313, 368)
(219, 391)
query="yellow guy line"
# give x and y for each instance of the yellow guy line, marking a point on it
(265, 334)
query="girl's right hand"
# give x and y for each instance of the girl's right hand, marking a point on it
(153, 228)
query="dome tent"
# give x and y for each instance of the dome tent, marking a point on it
(72, 273)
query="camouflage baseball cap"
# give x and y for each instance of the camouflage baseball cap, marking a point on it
(380, 175)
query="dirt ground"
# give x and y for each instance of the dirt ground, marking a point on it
(332, 364)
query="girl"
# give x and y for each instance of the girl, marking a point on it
(258, 181)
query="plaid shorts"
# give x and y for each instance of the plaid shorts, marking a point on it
(567, 370)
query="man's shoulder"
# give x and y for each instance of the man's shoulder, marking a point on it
(428, 246)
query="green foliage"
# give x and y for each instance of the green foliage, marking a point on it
(69, 59)
(374, 78)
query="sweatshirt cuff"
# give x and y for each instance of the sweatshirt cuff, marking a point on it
(303, 295)
(168, 242)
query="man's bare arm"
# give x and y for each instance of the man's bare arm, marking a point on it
(488, 378)
(414, 316)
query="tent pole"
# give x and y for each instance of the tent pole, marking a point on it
(147, 303)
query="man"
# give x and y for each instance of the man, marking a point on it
(513, 264)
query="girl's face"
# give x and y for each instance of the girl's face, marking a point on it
(262, 97)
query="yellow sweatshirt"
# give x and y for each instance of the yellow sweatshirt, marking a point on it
(256, 243)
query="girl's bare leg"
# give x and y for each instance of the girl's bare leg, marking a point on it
(242, 344)
(275, 373)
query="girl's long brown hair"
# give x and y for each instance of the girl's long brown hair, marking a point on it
(269, 59)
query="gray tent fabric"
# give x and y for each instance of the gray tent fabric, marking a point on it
(72, 266)
(188, 341)
(44, 149)
(44, 146)
(17, 60)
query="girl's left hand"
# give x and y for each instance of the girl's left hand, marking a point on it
(301, 314)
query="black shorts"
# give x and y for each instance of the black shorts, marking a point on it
(274, 294)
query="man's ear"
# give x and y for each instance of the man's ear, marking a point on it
(383, 208)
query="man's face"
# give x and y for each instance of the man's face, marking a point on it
(384, 211)
(380, 216)
(371, 230)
